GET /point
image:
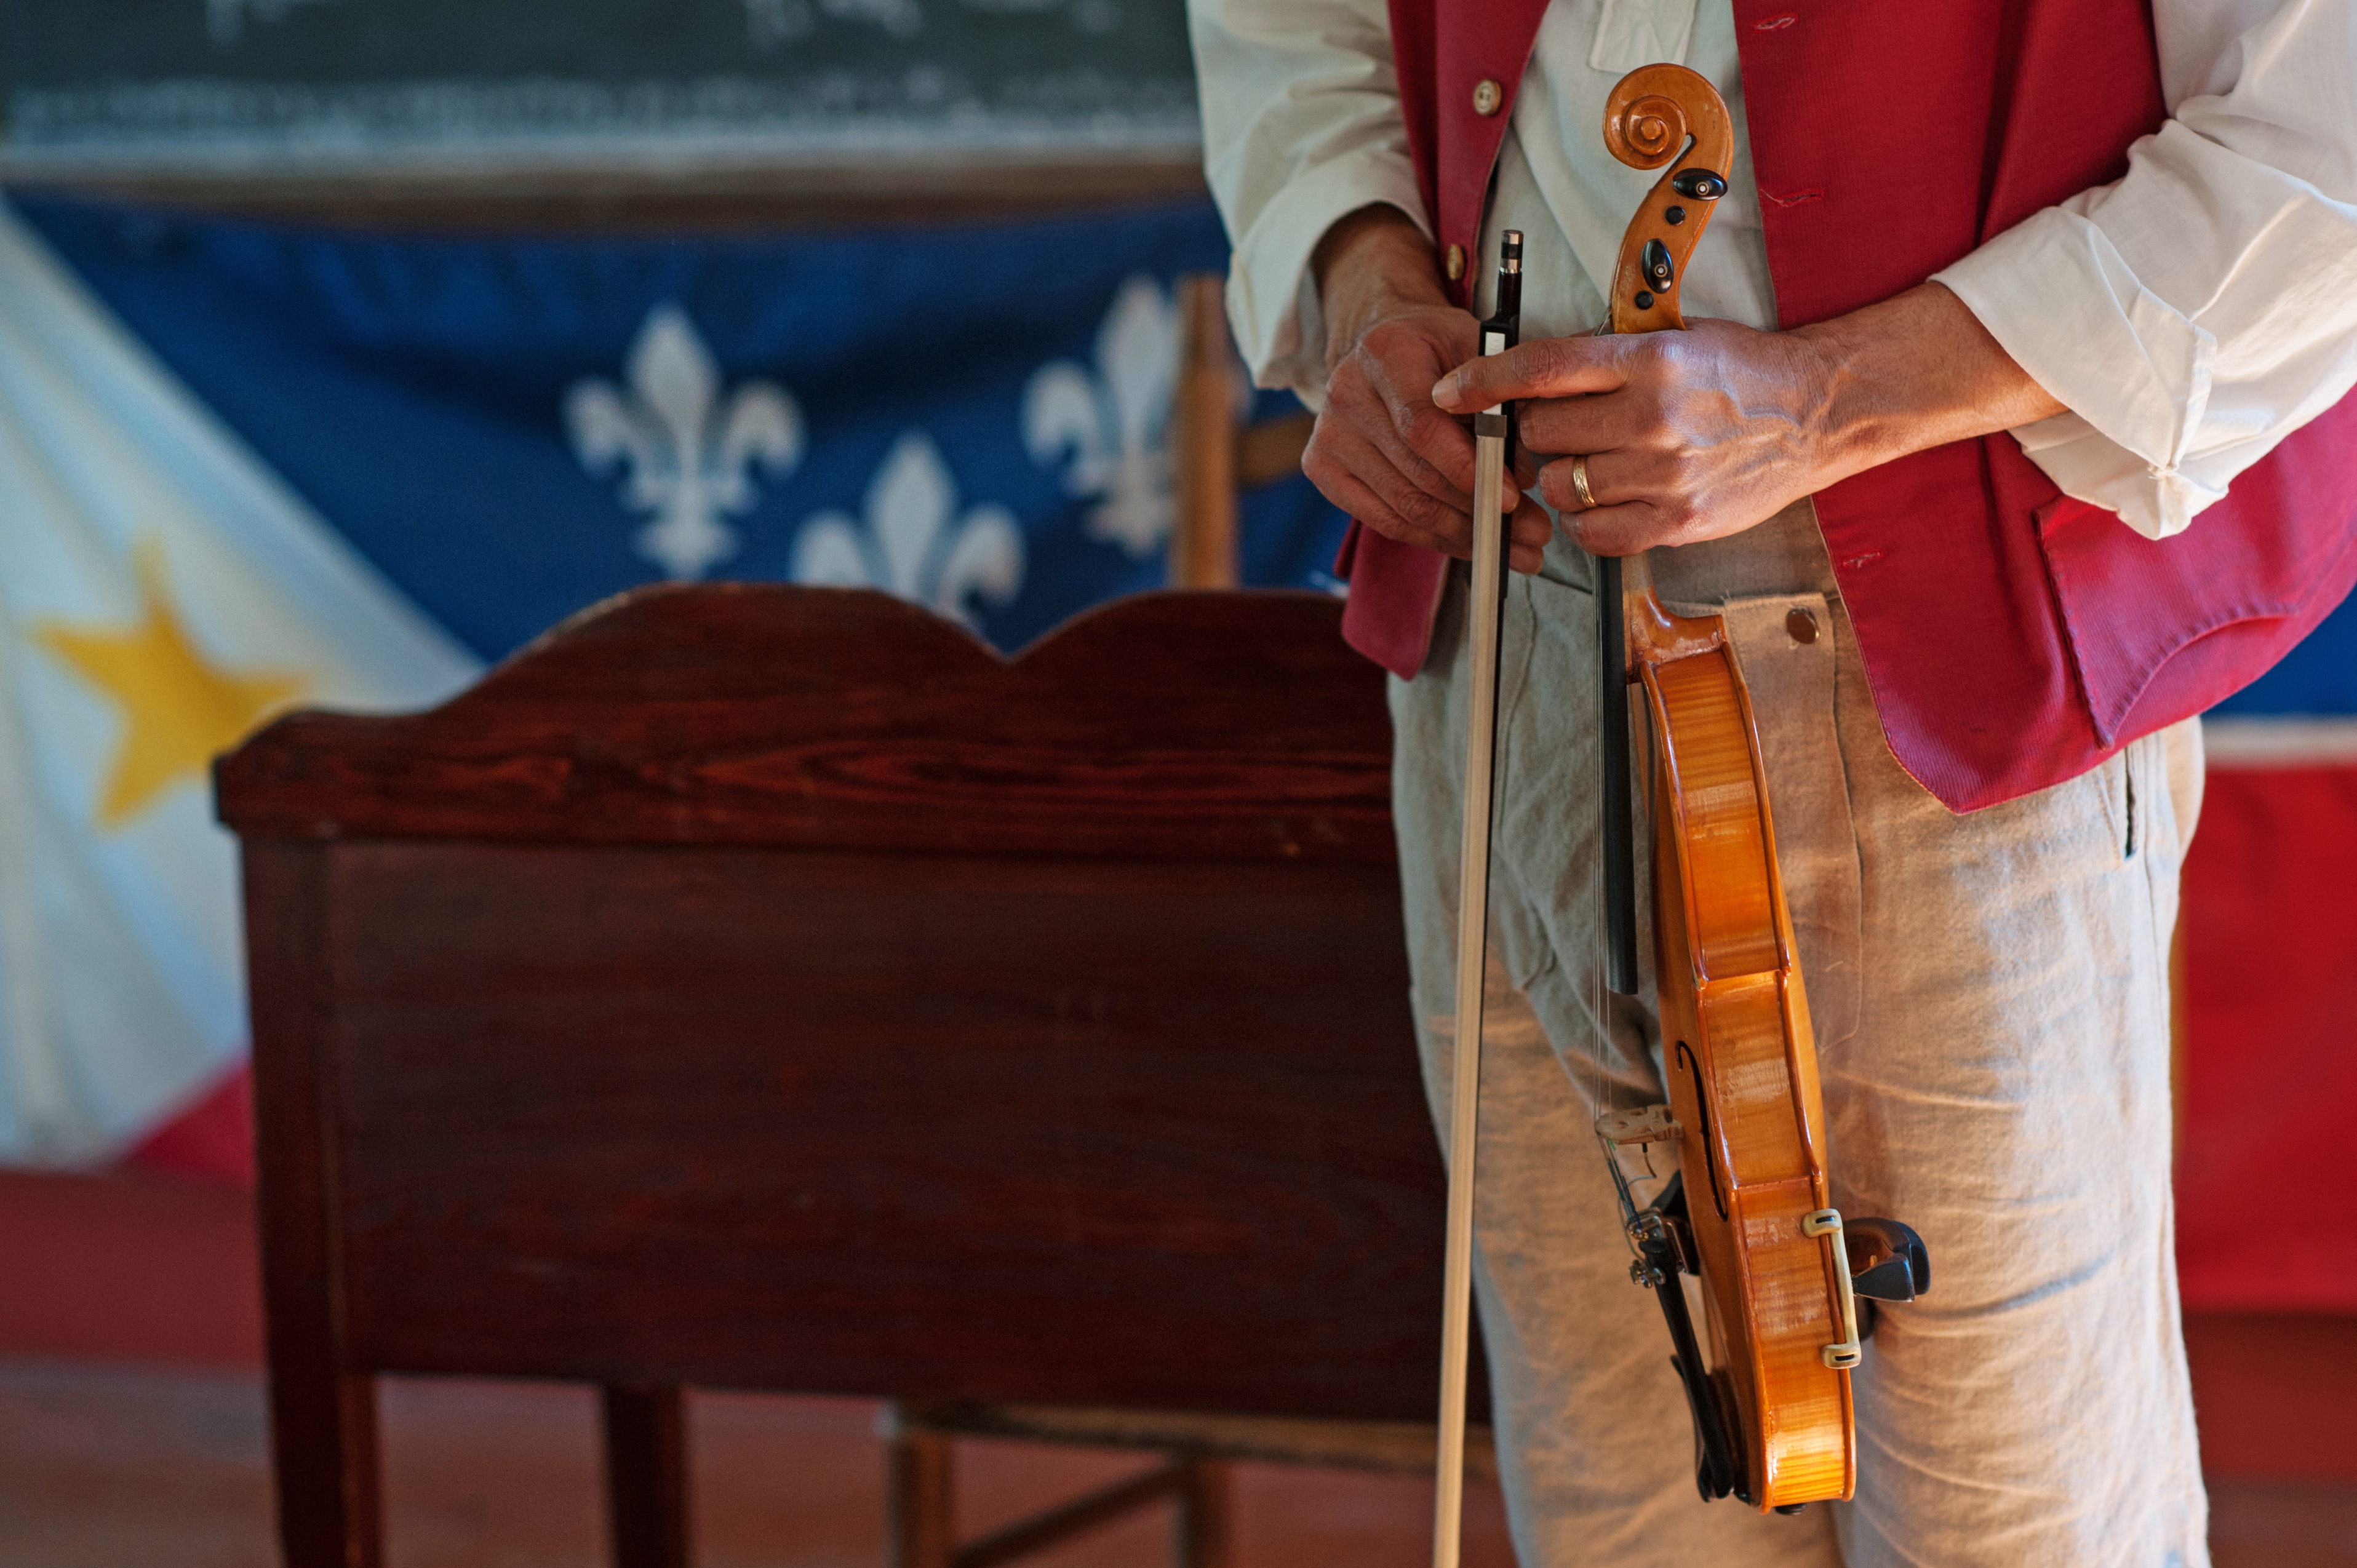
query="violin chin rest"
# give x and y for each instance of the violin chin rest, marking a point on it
(1887, 1262)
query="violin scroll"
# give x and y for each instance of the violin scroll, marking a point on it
(1661, 114)
(1647, 132)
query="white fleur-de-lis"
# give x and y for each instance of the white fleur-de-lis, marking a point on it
(688, 455)
(915, 545)
(1109, 429)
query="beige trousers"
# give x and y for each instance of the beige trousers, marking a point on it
(1991, 1002)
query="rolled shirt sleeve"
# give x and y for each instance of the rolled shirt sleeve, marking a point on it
(2202, 308)
(1301, 126)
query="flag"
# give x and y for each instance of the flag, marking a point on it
(161, 593)
(245, 466)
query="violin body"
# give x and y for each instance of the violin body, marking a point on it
(1741, 1069)
(1738, 1053)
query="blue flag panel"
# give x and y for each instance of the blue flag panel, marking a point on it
(2319, 677)
(513, 428)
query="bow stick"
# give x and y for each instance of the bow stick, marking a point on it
(1494, 439)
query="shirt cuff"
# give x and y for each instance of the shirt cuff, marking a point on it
(2156, 499)
(2134, 372)
(1272, 294)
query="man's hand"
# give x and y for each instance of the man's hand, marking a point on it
(1381, 452)
(1697, 434)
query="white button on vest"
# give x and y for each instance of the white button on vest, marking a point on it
(1486, 96)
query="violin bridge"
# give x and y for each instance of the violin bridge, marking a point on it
(1647, 1124)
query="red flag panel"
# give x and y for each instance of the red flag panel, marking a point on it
(2271, 1028)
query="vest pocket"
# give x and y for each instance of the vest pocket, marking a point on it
(2158, 630)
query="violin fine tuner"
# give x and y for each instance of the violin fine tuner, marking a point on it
(1648, 1124)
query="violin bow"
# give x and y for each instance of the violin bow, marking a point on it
(1493, 440)
(1653, 128)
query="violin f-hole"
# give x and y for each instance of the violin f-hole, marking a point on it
(1702, 1116)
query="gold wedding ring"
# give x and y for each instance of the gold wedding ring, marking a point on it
(1579, 483)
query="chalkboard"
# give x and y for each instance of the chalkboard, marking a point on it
(331, 83)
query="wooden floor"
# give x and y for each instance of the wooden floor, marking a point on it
(118, 1468)
(122, 1469)
(111, 1458)
(2283, 1524)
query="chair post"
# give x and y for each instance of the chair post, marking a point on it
(920, 1495)
(1203, 441)
(1204, 1529)
(323, 1435)
(646, 1476)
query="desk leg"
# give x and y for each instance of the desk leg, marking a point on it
(323, 1450)
(1206, 1516)
(646, 1476)
(922, 1498)
(322, 1407)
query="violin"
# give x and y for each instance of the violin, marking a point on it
(1750, 1209)
(1787, 1283)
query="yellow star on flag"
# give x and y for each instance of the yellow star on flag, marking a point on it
(180, 709)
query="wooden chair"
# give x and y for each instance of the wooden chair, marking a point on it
(1213, 456)
(774, 988)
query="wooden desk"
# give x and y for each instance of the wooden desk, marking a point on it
(768, 988)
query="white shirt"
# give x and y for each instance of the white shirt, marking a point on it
(2189, 317)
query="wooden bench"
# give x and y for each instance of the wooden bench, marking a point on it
(774, 988)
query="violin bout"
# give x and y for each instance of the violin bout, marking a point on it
(1740, 1063)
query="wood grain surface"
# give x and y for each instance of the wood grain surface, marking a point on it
(1183, 727)
(1110, 1134)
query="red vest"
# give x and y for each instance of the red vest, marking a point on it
(2013, 638)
